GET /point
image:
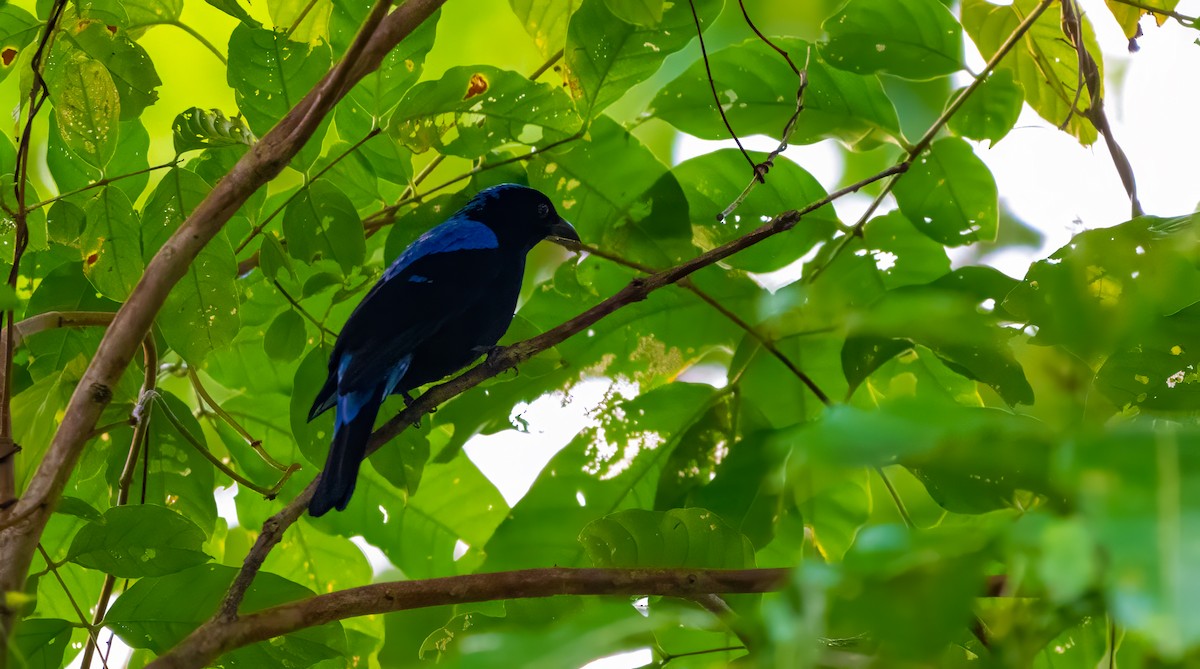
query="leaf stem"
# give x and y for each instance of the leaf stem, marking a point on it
(103, 182)
(201, 39)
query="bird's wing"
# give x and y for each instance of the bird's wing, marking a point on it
(438, 277)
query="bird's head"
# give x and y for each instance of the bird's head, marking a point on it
(520, 216)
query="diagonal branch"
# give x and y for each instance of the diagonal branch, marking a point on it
(264, 161)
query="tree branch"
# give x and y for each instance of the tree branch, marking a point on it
(262, 162)
(927, 139)
(218, 637)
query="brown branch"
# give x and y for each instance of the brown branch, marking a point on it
(927, 139)
(38, 93)
(1185, 20)
(260, 164)
(217, 637)
(141, 416)
(690, 286)
(1089, 74)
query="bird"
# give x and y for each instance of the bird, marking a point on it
(445, 301)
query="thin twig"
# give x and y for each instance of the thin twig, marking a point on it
(103, 182)
(268, 493)
(387, 215)
(927, 139)
(688, 285)
(259, 228)
(303, 312)
(201, 39)
(137, 443)
(1185, 20)
(38, 93)
(255, 444)
(896, 499)
(764, 38)
(717, 97)
(91, 631)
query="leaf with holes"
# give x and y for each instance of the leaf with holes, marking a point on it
(546, 21)
(915, 39)
(758, 93)
(137, 541)
(1043, 63)
(87, 108)
(111, 244)
(472, 110)
(606, 56)
(17, 29)
(322, 223)
(201, 311)
(950, 195)
(127, 62)
(665, 539)
(270, 74)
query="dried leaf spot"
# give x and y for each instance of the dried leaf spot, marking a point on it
(477, 86)
(92, 259)
(112, 30)
(8, 55)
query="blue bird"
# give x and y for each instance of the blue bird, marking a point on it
(446, 300)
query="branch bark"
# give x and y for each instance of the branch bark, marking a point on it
(211, 640)
(262, 163)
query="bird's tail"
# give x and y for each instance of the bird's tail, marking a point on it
(355, 417)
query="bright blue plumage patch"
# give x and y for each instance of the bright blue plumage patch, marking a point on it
(456, 234)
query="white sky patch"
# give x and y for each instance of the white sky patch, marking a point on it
(634, 658)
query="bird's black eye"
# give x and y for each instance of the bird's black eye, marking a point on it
(543, 210)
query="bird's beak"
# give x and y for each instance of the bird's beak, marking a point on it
(564, 230)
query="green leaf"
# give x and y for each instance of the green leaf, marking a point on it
(546, 21)
(991, 111)
(157, 613)
(146, 13)
(70, 173)
(137, 541)
(473, 110)
(286, 337)
(272, 259)
(1156, 371)
(757, 90)
(977, 345)
(1138, 489)
(835, 502)
(617, 194)
(234, 8)
(1111, 286)
(17, 29)
(638, 12)
(303, 20)
(200, 129)
(916, 39)
(87, 108)
(127, 62)
(950, 195)
(269, 74)
(322, 223)
(714, 180)
(180, 477)
(39, 643)
(1044, 63)
(110, 244)
(201, 311)
(606, 56)
(665, 539)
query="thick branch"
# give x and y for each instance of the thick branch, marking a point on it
(265, 160)
(212, 640)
